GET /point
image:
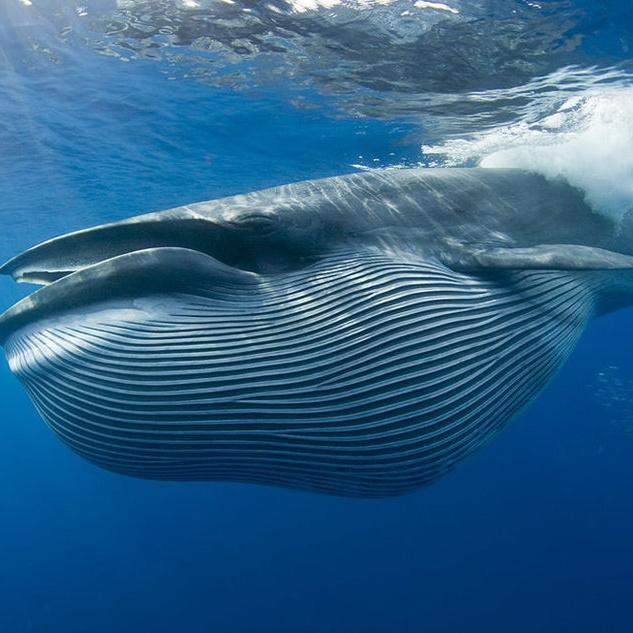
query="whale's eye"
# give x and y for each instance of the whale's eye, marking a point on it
(257, 222)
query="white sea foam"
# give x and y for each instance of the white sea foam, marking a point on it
(588, 140)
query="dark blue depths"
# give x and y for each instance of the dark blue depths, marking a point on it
(533, 533)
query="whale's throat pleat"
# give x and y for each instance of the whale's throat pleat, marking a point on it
(358, 375)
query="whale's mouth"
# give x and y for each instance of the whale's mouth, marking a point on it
(165, 251)
(121, 279)
(62, 256)
(43, 277)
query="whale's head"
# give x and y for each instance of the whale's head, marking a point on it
(478, 221)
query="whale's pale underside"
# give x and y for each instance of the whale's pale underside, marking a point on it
(357, 335)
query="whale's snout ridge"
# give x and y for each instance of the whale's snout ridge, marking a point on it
(56, 258)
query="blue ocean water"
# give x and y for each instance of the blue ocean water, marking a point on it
(113, 109)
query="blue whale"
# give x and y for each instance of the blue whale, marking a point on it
(356, 335)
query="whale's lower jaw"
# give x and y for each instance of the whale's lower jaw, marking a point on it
(359, 375)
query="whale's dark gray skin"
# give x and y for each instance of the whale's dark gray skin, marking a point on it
(356, 335)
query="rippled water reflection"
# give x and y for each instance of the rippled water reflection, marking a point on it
(454, 67)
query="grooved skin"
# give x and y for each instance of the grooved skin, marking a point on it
(359, 375)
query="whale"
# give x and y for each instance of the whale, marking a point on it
(357, 335)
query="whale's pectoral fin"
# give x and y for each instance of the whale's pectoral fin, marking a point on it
(468, 258)
(123, 278)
